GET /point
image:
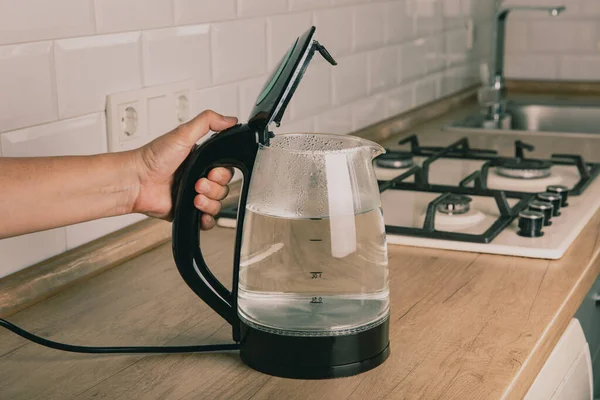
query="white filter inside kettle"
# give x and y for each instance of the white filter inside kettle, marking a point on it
(341, 205)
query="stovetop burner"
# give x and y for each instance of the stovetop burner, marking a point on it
(524, 168)
(394, 159)
(455, 204)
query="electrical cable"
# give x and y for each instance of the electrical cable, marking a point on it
(117, 350)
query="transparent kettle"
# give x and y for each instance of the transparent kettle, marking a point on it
(313, 257)
(309, 294)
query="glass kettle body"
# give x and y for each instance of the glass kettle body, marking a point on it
(309, 296)
(313, 257)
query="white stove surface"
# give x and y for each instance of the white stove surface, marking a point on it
(407, 208)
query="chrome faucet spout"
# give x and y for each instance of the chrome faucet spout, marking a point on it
(496, 78)
(497, 75)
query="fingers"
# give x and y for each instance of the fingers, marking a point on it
(221, 175)
(207, 120)
(211, 189)
(207, 222)
(206, 205)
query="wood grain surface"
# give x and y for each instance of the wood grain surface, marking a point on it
(463, 326)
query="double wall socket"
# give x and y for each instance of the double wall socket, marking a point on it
(136, 117)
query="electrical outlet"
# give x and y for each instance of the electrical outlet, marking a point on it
(125, 120)
(134, 118)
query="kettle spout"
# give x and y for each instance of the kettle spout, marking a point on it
(376, 150)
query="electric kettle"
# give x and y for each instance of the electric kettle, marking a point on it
(310, 294)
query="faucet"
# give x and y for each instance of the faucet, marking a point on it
(496, 84)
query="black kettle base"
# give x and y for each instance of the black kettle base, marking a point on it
(302, 357)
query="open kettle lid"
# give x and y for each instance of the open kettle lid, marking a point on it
(282, 83)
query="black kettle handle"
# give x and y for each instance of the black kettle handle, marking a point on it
(234, 147)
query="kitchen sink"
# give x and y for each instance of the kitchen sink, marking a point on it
(544, 116)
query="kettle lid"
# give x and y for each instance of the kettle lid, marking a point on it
(280, 86)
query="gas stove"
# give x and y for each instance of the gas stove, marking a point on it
(513, 195)
(458, 197)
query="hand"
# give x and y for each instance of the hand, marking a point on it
(158, 160)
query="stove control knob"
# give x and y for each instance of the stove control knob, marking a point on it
(543, 207)
(555, 199)
(530, 224)
(560, 190)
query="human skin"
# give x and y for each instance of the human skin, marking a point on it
(40, 193)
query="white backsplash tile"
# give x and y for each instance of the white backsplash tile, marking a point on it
(176, 54)
(199, 11)
(427, 16)
(531, 66)
(282, 31)
(398, 22)
(369, 25)
(27, 85)
(436, 53)
(74, 136)
(413, 60)
(20, 252)
(85, 232)
(239, 50)
(86, 70)
(425, 91)
(308, 4)
(350, 80)
(335, 27)
(554, 35)
(337, 120)
(568, 44)
(574, 67)
(314, 93)
(400, 100)
(456, 47)
(383, 68)
(130, 15)
(368, 111)
(31, 20)
(516, 35)
(254, 8)
(222, 99)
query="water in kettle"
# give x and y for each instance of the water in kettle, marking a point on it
(313, 276)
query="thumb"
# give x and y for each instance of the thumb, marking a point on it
(204, 122)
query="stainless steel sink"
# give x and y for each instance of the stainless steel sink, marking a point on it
(550, 116)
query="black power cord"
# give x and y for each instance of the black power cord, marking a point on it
(117, 350)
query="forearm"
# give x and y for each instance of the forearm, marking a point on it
(48, 192)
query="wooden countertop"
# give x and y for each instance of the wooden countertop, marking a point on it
(463, 326)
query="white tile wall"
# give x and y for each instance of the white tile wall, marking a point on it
(335, 29)
(76, 136)
(531, 66)
(238, 50)
(130, 15)
(369, 26)
(59, 59)
(282, 30)
(176, 54)
(398, 22)
(27, 85)
(253, 8)
(30, 20)
(568, 44)
(86, 70)
(197, 11)
(349, 79)
(383, 68)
